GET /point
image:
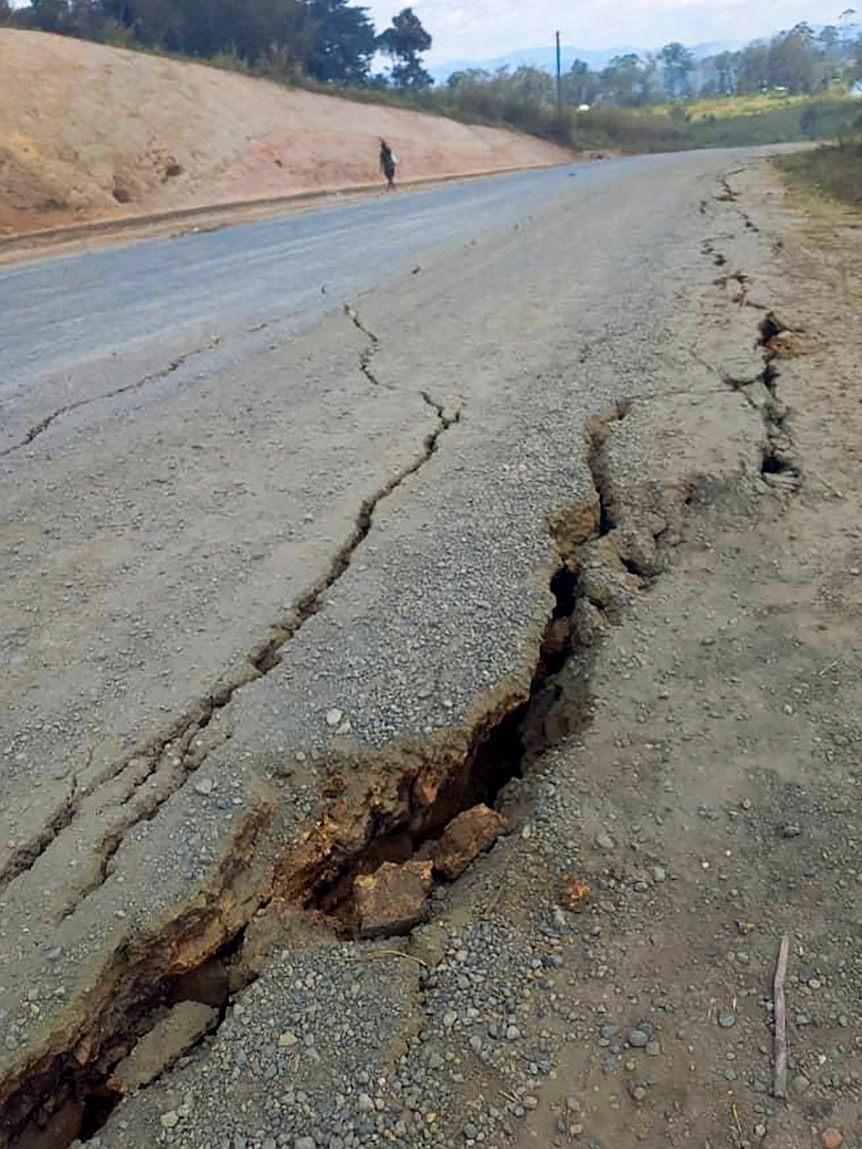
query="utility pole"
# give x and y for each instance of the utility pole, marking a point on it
(559, 78)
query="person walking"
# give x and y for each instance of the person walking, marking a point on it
(387, 163)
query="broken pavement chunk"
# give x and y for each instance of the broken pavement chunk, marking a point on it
(393, 899)
(167, 1041)
(465, 838)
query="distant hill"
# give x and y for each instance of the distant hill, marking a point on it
(546, 58)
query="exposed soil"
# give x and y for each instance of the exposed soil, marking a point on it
(94, 133)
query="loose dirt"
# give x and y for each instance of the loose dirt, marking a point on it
(93, 133)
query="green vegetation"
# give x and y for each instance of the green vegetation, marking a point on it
(835, 171)
(327, 41)
(791, 87)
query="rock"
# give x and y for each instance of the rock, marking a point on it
(637, 1038)
(831, 1139)
(333, 718)
(791, 830)
(800, 1083)
(603, 840)
(726, 1018)
(203, 786)
(305, 1143)
(170, 1119)
(465, 838)
(167, 1041)
(393, 899)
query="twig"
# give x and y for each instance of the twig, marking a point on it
(779, 1081)
(736, 1120)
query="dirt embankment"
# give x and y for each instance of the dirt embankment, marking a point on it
(88, 132)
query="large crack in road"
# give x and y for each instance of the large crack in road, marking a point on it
(602, 549)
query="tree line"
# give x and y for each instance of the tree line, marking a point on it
(329, 41)
(793, 62)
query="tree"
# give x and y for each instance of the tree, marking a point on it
(752, 73)
(793, 61)
(580, 85)
(677, 62)
(622, 80)
(725, 64)
(404, 43)
(48, 15)
(343, 43)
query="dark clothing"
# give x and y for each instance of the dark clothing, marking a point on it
(387, 163)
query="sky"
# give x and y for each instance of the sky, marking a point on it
(482, 29)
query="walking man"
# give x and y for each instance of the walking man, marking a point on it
(387, 163)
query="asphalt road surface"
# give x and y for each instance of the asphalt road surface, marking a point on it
(244, 530)
(67, 315)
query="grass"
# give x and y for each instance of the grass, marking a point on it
(834, 171)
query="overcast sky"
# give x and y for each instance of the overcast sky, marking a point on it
(479, 29)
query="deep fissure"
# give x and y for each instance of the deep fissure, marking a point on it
(84, 1088)
(262, 659)
(500, 752)
(779, 465)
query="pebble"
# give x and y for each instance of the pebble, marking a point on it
(333, 717)
(726, 1018)
(831, 1139)
(203, 786)
(791, 830)
(573, 1105)
(637, 1038)
(659, 873)
(169, 1119)
(800, 1083)
(604, 841)
(513, 1033)
(305, 1143)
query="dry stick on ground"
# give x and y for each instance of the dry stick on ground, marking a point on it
(779, 1081)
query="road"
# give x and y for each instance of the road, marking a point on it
(155, 300)
(254, 545)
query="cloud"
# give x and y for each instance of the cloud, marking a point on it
(487, 28)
